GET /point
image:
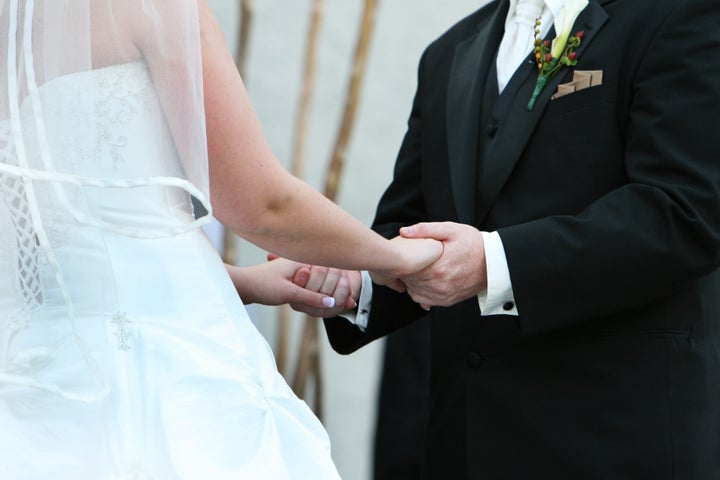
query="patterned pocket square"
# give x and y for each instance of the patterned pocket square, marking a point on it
(582, 79)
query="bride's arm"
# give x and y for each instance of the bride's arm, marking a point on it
(256, 197)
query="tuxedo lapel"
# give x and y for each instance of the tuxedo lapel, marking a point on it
(468, 75)
(515, 132)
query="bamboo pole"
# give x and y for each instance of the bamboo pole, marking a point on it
(309, 357)
(308, 89)
(337, 163)
(243, 39)
(297, 164)
(230, 251)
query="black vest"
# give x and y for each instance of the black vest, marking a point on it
(495, 106)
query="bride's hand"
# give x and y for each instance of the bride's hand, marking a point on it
(274, 283)
(413, 256)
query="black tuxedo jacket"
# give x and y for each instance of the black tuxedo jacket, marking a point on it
(607, 202)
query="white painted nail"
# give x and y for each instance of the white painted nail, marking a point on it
(328, 302)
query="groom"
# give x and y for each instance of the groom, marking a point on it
(576, 309)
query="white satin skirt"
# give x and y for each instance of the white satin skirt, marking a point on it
(154, 372)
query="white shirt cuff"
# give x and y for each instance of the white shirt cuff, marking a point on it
(360, 316)
(498, 299)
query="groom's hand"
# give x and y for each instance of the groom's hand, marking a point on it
(459, 274)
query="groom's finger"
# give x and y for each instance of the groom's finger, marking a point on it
(427, 275)
(431, 293)
(342, 293)
(330, 283)
(418, 297)
(398, 285)
(317, 278)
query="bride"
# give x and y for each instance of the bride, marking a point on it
(125, 352)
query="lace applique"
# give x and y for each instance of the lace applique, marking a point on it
(93, 109)
(122, 330)
(124, 93)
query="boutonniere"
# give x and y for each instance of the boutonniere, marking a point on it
(552, 57)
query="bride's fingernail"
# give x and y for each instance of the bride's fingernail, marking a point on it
(328, 302)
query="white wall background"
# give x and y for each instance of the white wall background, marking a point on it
(404, 28)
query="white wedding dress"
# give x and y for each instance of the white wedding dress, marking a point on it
(125, 352)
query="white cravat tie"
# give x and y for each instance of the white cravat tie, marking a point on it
(517, 43)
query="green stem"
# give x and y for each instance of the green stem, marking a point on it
(541, 82)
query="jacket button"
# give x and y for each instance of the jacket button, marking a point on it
(508, 306)
(492, 129)
(475, 360)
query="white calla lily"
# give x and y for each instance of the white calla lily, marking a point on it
(563, 24)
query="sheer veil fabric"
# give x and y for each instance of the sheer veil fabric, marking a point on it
(57, 133)
(125, 352)
(47, 40)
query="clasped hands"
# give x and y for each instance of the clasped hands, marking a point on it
(430, 275)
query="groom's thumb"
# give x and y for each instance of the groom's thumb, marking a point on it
(437, 231)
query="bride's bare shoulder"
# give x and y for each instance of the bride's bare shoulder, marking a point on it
(116, 31)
